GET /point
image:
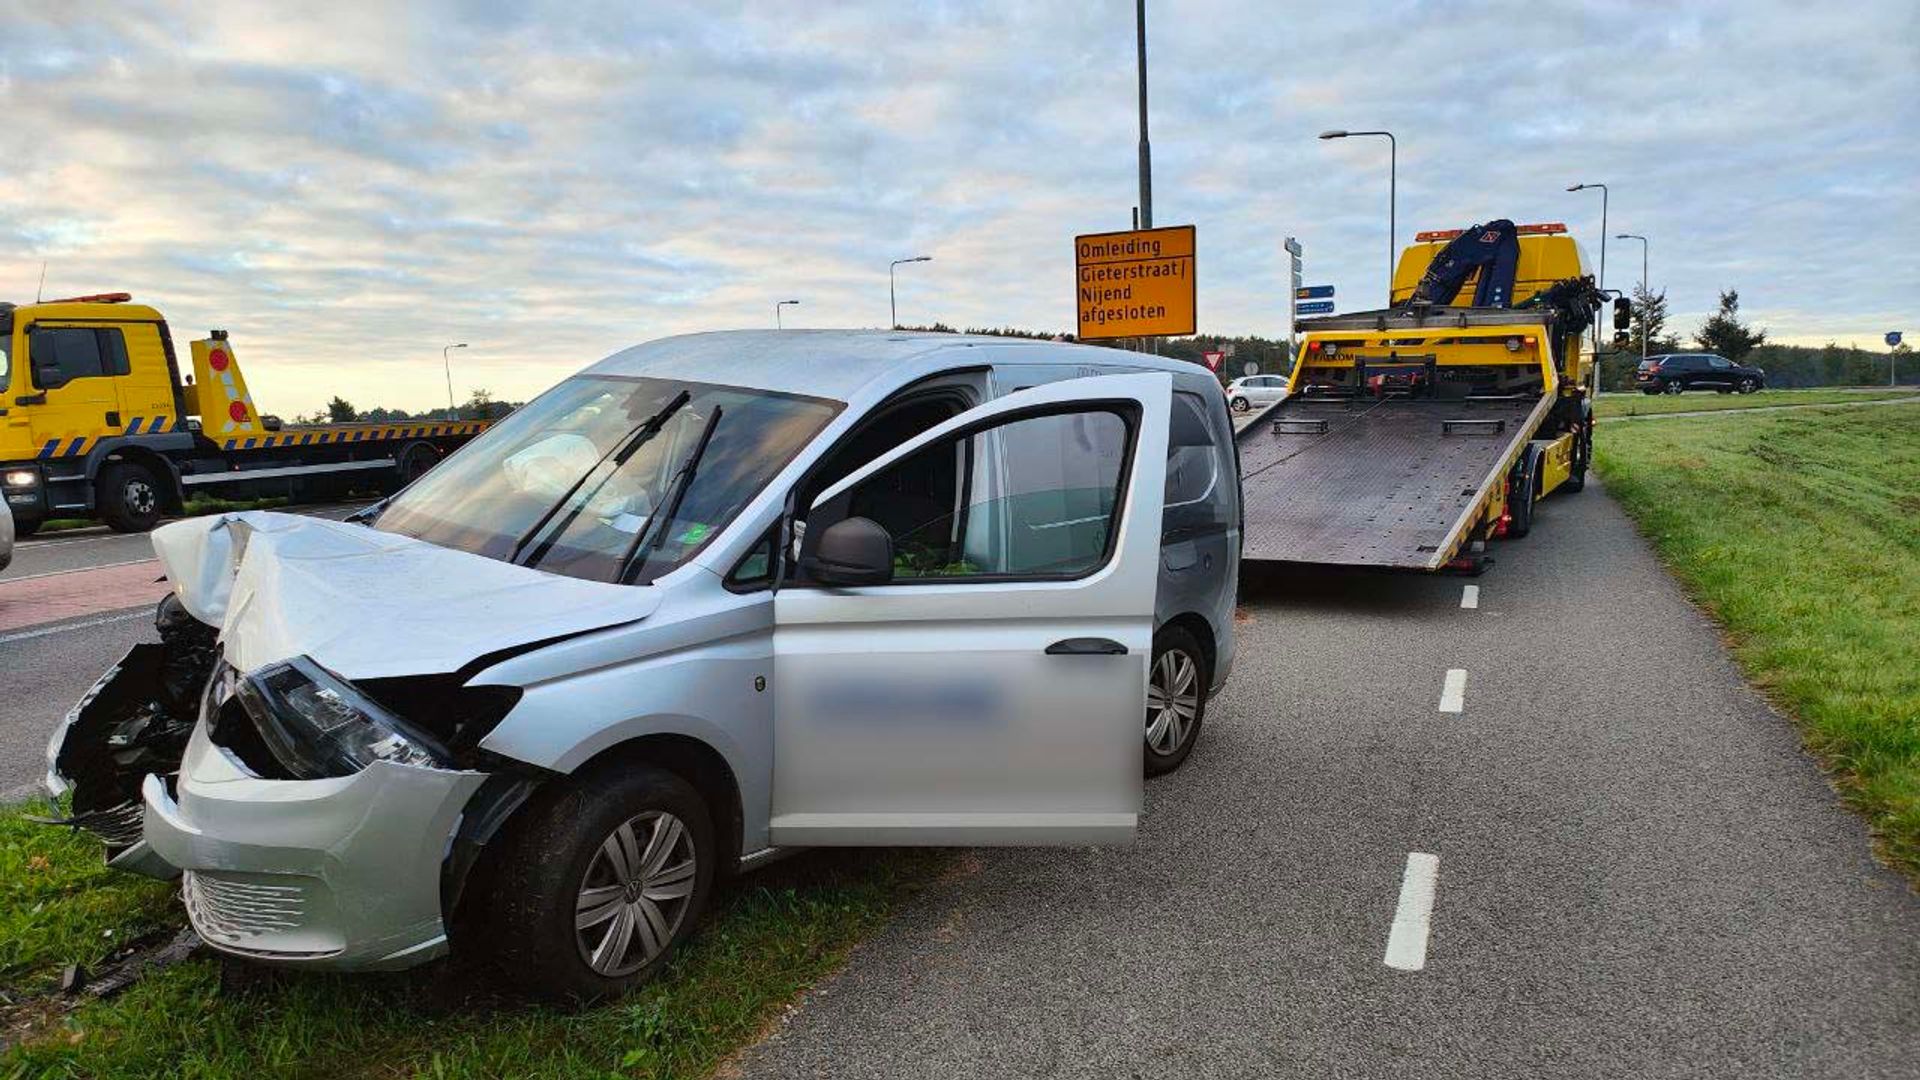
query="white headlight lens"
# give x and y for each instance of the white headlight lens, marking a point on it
(21, 478)
(318, 725)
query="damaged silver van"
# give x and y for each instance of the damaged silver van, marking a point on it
(715, 596)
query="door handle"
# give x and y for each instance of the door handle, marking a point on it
(1087, 646)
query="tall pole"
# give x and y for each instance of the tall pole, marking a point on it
(778, 304)
(1603, 276)
(1643, 286)
(452, 413)
(1146, 149)
(1393, 196)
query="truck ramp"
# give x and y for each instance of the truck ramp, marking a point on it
(1390, 483)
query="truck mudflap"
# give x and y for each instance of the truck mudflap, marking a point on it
(132, 724)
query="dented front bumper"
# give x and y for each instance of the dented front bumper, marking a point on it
(343, 872)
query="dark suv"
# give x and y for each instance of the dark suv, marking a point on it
(1676, 372)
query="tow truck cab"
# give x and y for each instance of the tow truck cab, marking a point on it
(98, 419)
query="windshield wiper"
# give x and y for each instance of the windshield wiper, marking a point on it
(655, 533)
(636, 437)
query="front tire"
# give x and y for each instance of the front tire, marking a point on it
(1674, 387)
(600, 881)
(1241, 404)
(1748, 386)
(1177, 682)
(128, 498)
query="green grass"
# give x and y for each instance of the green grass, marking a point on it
(767, 938)
(1638, 404)
(1800, 532)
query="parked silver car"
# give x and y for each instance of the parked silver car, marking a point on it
(714, 596)
(1256, 391)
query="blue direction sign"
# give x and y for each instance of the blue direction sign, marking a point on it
(1317, 307)
(1893, 339)
(1313, 292)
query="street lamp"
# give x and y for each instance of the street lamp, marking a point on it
(1393, 195)
(1603, 276)
(448, 365)
(1643, 285)
(776, 312)
(893, 308)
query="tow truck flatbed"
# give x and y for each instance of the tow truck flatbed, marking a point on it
(1391, 483)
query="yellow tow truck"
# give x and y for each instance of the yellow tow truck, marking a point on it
(96, 421)
(1411, 435)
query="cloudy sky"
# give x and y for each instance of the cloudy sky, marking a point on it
(348, 187)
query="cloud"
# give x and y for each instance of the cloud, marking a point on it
(347, 187)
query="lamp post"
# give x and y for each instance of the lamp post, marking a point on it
(1393, 194)
(452, 414)
(1603, 276)
(1146, 149)
(893, 308)
(778, 304)
(1643, 285)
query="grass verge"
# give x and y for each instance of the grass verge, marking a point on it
(1638, 404)
(195, 506)
(767, 937)
(1800, 532)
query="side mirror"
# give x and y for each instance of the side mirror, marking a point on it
(1622, 313)
(49, 376)
(852, 551)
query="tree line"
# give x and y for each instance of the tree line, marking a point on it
(480, 405)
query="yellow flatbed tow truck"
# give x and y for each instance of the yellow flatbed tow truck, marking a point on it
(1411, 435)
(97, 422)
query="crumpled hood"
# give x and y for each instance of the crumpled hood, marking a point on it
(368, 604)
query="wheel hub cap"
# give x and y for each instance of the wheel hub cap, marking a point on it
(1173, 700)
(635, 893)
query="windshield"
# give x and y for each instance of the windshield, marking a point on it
(570, 483)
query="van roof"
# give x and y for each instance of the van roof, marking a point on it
(839, 364)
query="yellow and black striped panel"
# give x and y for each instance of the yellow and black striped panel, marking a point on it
(335, 434)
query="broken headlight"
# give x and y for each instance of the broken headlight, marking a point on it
(316, 724)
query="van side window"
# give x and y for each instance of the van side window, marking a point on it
(1196, 499)
(61, 354)
(1037, 496)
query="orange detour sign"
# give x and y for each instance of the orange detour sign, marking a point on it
(1135, 284)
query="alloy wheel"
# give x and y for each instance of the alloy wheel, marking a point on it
(1173, 700)
(635, 893)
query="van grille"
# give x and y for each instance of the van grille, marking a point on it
(228, 911)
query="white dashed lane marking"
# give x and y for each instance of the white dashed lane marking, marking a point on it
(1413, 919)
(1453, 693)
(1470, 597)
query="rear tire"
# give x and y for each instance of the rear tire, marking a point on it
(1674, 387)
(415, 462)
(128, 497)
(23, 528)
(1177, 681)
(630, 852)
(1582, 452)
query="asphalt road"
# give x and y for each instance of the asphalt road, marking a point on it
(1636, 870)
(1639, 872)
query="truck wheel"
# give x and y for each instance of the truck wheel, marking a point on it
(128, 497)
(1582, 456)
(599, 882)
(415, 460)
(1176, 699)
(25, 527)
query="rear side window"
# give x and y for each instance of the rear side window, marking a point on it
(1196, 493)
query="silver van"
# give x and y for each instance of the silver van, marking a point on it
(715, 596)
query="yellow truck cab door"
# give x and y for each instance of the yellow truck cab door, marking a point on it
(74, 369)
